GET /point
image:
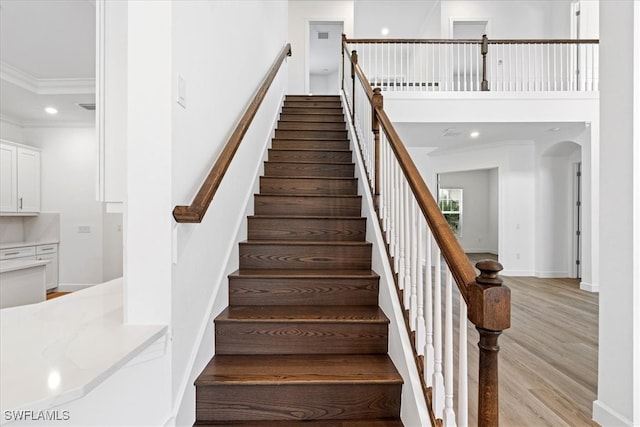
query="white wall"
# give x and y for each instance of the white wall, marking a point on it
(176, 273)
(68, 173)
(495, 107)
(10, 131)
(554, 222)
(301, 13)
(512, 20)
(479, 217)
(324, 84)
(619, 309)
(404, 19)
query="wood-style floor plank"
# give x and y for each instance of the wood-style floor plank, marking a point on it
(548, 362)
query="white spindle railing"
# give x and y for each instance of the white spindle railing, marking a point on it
(457, 65)
(419, 251)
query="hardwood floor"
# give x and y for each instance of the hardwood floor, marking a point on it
(549, 356)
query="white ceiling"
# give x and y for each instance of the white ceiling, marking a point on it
(47, 58)
(448, 136)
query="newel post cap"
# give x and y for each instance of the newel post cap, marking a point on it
(489, 300)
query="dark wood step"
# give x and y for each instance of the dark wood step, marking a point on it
(314, 228)
(335, 98)
(298, 387)
(310, 144)
(310, 110)
(387, 422)
(308, 185)
(320, 126)
(301, 117)
(342, 170)
(313, 205)
(305, 255)
(310, 155)
(311, 133)
(307, 287)
(301, 330)
(313, 104)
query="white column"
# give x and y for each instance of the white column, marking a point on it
(147, 210)
(619, 340)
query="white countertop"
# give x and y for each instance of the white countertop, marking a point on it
(20, 264)
(58, 350)
(11, 245)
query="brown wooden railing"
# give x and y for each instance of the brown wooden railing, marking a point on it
(417, 236)
(479, 64)
(196, 210)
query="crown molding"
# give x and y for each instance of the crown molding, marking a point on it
(10, 120)
(28, 82)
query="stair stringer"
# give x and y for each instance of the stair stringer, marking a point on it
(183, 412)
(413, 412)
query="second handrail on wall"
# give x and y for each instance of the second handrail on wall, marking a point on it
(196, 210)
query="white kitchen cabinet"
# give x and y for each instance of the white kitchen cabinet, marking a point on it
(49, 253)
(20, 179)
(8, 178)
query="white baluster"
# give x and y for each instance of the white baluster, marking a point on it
(401, 247)
(449, 416)
(414, 236)
(463, 377)
(406, 207)
(438, 377)
(420, 322)
(396, 218)
(428, 315)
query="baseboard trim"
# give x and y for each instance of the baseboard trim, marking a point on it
(604, 415)
(589, 287)
(481, 251)
(551, 274)
(525, 273)
(72, 287)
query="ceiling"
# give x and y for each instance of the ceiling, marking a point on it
(450, 136)
(47, 59)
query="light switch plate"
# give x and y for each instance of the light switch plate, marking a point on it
(182, 91)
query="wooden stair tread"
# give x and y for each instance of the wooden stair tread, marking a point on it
(310, 273)
(387, 422)
(299, 369)
(341, 150)
(304, 243)
(306, 217)
(303, 314)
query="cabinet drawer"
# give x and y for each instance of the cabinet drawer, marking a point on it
(46, 249)
(17, 252)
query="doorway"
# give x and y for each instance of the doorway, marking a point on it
(323, 70)
(466, 58)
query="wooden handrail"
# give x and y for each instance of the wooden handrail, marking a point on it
(194, 213)
(475, 41)
(454, 255)
(488, 302)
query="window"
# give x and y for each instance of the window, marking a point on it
(450, 203)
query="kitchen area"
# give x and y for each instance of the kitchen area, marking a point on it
(54, 234)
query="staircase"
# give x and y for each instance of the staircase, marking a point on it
(303, 341)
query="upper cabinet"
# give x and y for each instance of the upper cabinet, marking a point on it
(19, 179)
(111, 100)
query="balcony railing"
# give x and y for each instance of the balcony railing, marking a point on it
(421, 65)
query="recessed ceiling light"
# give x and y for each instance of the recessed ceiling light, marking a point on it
(51, 110)
(474, 134)
(385, 31)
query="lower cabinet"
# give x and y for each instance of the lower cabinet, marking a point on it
(50, 253)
